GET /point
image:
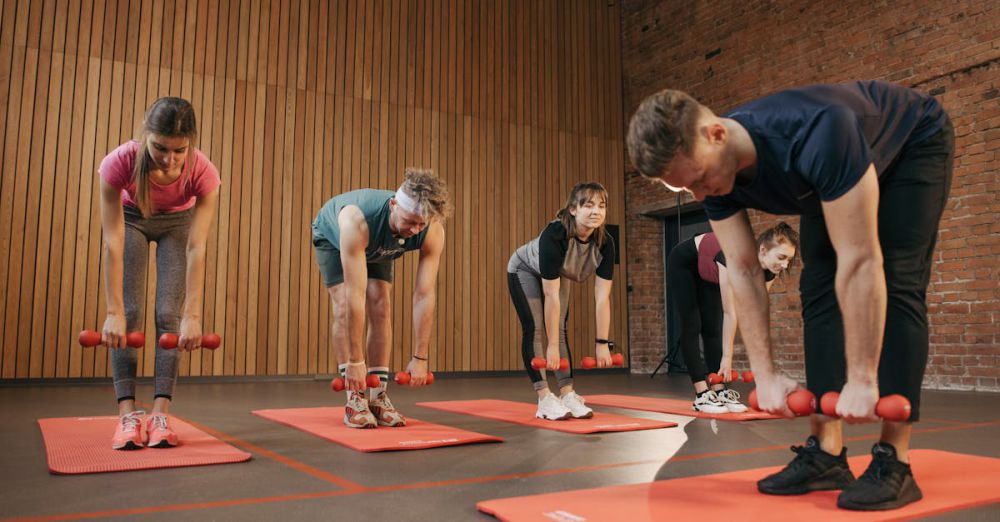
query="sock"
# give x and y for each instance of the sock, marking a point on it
(343, 375)
(383, 380)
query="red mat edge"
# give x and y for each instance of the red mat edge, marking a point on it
(480, 506)
(236, 459)
(696, 414)
(481, 437)
(530, 423)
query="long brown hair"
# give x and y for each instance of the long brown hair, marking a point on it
(581, 193)
(170, 117)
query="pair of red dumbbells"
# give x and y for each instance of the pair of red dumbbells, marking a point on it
(168, 341)
(539, 363)
(894, 408)
(373, 381)
(714, 378)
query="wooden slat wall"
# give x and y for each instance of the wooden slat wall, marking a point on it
(510, 101)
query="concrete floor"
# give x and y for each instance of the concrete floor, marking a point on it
(424, 485)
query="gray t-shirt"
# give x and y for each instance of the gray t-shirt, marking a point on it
(554, 254)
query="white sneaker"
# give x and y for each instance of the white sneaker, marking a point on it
(551, 408)
(385, 413)
(731, 400)
(576, 405)
(709, 402)
(356, 413)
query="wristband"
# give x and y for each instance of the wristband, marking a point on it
(361, 363)
(419, 358)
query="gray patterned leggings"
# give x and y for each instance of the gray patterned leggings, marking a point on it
(170, 232)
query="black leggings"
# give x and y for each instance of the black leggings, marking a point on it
(913, 192)
(529, 303)
(697, 307)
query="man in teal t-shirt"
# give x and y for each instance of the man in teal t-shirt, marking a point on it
(357, 235)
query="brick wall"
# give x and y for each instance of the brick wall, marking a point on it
(725, 53)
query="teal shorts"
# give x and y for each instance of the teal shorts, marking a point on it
(332, 270)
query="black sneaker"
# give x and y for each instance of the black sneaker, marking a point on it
(886, 484)
(812, 469)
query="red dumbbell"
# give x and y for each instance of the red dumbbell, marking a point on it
(588, 362)
(801, 402)
(372, 381)
(404, 378)
(539, 363)
(714, 378)
(211, 341)
(90, 338)
(893, 408)
(617, 359)
(748, 376)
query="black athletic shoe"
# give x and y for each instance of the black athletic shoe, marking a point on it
(886, 484)
(812, 469)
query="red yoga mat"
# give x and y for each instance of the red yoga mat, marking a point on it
(524, 413)
(83, 445)
(674, 406)
(949, 481)
(328, 423)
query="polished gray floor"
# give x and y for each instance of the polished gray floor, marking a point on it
(426, 485)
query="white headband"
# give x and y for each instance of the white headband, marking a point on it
(407, 202)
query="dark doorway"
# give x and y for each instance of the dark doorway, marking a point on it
(685, 224)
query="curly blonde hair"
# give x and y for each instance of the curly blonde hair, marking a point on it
(429, 191)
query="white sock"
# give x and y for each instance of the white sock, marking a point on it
(383, 380)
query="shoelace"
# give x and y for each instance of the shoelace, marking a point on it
(131, 421)
(384, 399)
(159, 421)
(731, 395)
(879, 466)
(801, 456)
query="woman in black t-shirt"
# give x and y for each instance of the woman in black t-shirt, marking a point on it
(571, 248)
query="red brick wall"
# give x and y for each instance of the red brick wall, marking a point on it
(725, 53)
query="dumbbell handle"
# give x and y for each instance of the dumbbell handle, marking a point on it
(894, 408)
(168, 341)
(90, 338)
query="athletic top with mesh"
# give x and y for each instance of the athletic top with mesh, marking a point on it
(553, 254)
(374, 205)
(710, 253)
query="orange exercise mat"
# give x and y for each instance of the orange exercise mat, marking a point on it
(83, 445)
(673, 406)
(524, 413)
(328, 423)
(949, 481)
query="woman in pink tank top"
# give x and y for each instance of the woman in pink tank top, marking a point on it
(698, 292)
(159, 188)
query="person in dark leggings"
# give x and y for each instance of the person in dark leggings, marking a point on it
(698, 291)
(868, 166)
(573, 247)
(159, 188)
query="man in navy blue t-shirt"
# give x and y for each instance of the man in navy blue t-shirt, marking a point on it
(868, 167)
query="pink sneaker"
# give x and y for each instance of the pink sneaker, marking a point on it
(160, 434)
(129, 434)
